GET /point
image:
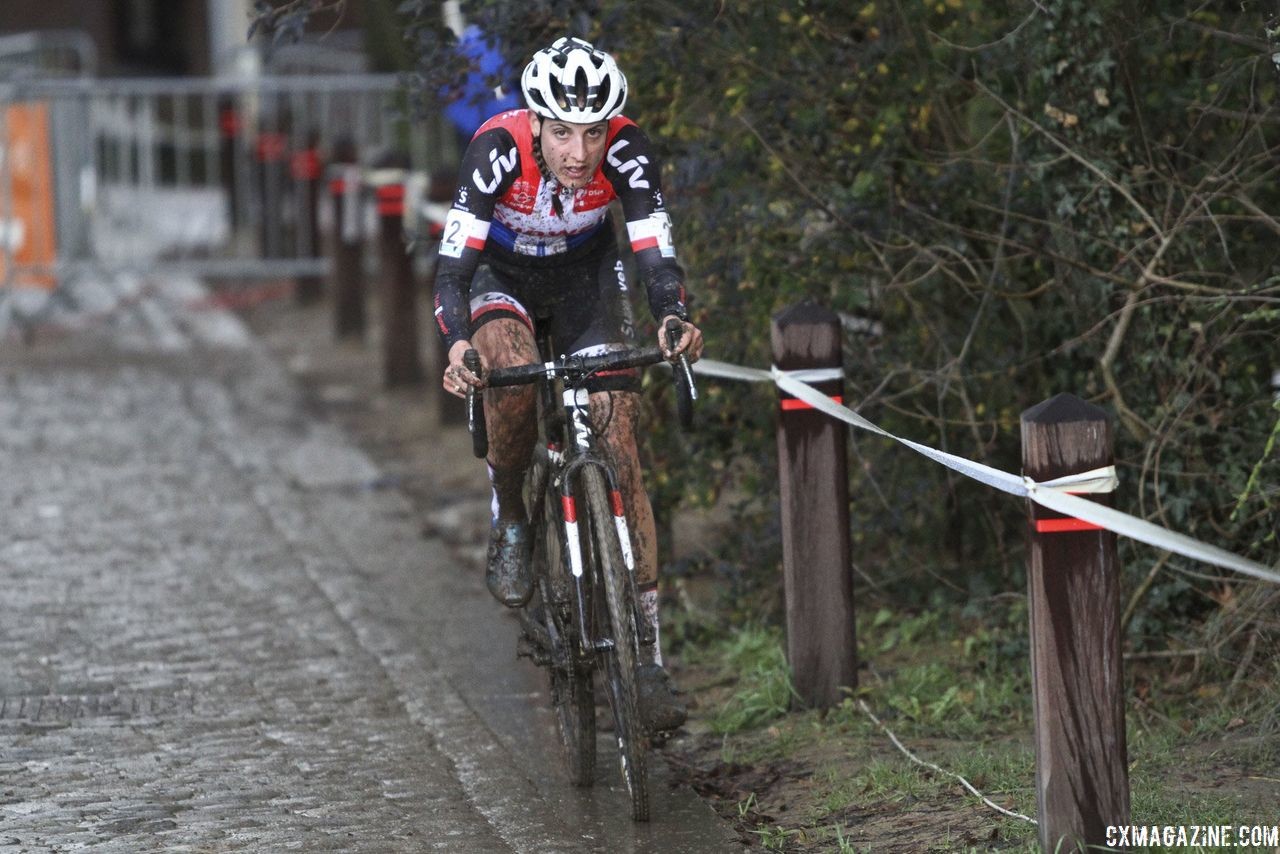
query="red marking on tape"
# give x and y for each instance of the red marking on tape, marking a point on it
(475, 243)
(615, 498)
(1062, 526)
(337, 186)
(644, 243)
(792, 403)
(570, 508)
(391, 200)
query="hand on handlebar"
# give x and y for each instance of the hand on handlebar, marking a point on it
(457, 376)
(690, 343)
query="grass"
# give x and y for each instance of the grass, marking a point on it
(756, 658)
(956, 691)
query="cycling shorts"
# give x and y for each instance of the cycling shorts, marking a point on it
(584, 304)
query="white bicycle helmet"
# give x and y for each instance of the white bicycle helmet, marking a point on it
(573, 82)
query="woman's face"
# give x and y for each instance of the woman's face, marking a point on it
(571, 151)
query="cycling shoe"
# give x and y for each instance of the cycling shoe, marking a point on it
(660, 707)
(508, 574)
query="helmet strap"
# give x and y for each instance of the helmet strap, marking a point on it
(547, 174)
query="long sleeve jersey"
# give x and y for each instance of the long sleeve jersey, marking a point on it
(505, 209)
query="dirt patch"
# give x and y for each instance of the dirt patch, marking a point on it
(815, 795)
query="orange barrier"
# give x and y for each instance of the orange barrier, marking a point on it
(29, 227)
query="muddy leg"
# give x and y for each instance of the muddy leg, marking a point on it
(509, 413)
(616, 412)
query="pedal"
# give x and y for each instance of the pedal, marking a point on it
(527, 648)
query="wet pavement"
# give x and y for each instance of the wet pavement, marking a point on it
(221, 627)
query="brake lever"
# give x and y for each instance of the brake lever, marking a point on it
(688, 377)
(475, 408)
(675, 331)
(686, 391)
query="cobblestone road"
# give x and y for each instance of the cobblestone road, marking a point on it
(220, 629)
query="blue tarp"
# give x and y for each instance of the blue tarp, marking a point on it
(477, 100)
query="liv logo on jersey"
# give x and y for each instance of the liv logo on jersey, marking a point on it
(636, 179)
(502, 165)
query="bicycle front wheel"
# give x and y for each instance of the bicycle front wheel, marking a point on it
(572, 691)
(622, 659)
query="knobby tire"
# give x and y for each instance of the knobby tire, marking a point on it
(622, 659)
(572, 692)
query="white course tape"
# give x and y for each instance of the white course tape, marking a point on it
(724, 370)
(816, 375)
(1095, 481)
(1055, 494)
(351, 204)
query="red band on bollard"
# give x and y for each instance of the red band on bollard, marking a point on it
(272, 147)
(391, 200)
(230, 123)
(792, 403)
(305, 165)
(1063, 526)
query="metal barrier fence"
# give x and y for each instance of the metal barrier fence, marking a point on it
(207, 177)
(47, 53)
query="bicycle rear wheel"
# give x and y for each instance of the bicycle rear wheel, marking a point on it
(622, 659)
(572, 690)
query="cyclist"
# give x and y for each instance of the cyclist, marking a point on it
(528, 241)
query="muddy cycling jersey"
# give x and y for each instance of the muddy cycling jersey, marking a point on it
(507, 211)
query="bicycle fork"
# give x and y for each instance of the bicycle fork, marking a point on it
(575, 403)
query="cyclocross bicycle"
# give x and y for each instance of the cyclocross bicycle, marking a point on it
(584, 616)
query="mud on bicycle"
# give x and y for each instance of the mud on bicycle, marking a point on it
(584, 614)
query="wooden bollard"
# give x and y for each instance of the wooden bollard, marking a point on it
(1082, 778)
(346, 243)
(271, 153)
(307, 169)
(814, 486)
(229, 157)
(398, 303)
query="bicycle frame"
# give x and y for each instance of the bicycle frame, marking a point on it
(565, 465)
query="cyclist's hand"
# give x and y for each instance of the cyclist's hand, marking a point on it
(690, 343)
(456, 377)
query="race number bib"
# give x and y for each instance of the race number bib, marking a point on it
(462, 231)
(652, 232)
